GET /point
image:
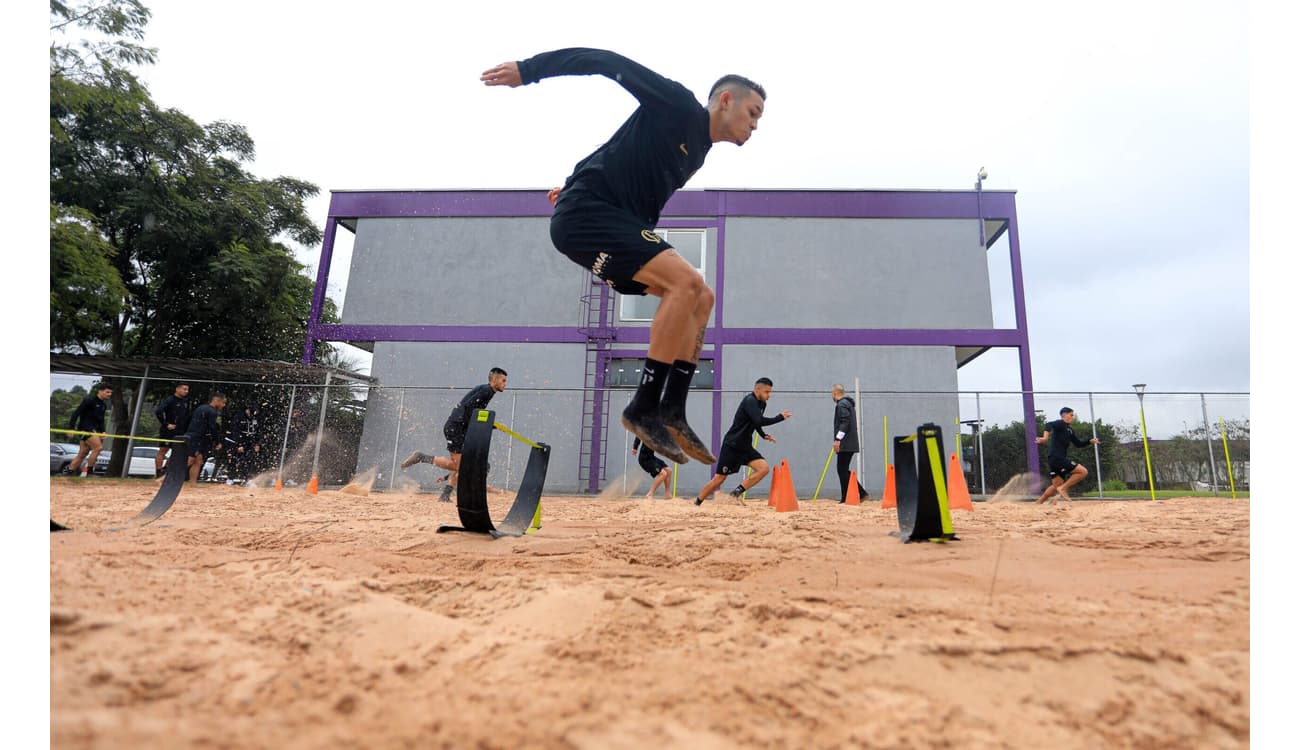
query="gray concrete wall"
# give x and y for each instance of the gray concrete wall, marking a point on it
(460, 271)
(855, 273)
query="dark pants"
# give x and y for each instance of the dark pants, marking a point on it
(843, 462)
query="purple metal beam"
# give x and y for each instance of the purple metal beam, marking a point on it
(1022, 333)
(318, 295)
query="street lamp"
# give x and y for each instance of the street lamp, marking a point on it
(977, 426)
(980, 176)
(1141, 388)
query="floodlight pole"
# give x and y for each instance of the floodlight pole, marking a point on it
(1151, 481)
(979, 204)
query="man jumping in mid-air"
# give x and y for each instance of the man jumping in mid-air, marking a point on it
(606, 212)
(456, 426)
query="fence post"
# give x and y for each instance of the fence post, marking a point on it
(397, 433)
(1209, 444)
(1096, 448)
(979, 418)
(288, 423)
(320, 426)
(135, 423)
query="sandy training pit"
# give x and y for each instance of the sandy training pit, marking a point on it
(251, 618)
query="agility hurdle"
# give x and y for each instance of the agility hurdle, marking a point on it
(922, 488)
(525, 515)
(177, 472)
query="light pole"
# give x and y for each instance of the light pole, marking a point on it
(1151, 481)
(980, 177)
(976, 426)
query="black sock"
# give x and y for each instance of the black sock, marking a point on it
(653, 377)
(677, 388)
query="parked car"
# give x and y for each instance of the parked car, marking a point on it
(61, 455)
(142, 461)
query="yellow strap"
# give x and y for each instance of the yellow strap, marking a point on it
(515, 435)
(124, 437)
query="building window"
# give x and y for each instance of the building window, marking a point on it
(626, 373)
(689, 243)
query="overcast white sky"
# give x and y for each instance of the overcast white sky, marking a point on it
(1123, 128)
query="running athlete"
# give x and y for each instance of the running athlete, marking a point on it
(738, 444)
(203, 434)
(173, 418)
(1065, 473)
(89, 417)
(454, 430)
(606, 212)
(653, 465)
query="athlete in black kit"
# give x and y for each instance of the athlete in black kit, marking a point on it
(1065, 473)
(606, 212)
(652, 465)
(456, 426)
(738, 444)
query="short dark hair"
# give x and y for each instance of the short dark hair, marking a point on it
(1066, 410)
(216, 395)
(101, 386)
(763, 381)
(733, 82)
(498, 371)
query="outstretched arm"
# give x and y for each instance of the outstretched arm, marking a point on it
(647, 86)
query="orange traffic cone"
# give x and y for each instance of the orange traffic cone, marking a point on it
(888, 500)
(312, 485)
(958, 495)
(279, 483)
(788, 501)
(852, 498)
(776, 485)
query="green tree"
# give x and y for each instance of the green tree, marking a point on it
(197, 243)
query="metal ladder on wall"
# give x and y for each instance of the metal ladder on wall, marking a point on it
(597, 303)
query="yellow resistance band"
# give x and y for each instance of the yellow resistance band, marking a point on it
(515, 435)
(124, 437)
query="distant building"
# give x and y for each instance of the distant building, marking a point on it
(813, 287)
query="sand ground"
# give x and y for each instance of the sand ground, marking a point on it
(251, 618)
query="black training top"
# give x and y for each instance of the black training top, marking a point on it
(89, 416)
(653, 153)
(644, 452)
(473, 401)
(173, 411)
(203, 424)
(847, 423)
(749, 417)
(1060, 438)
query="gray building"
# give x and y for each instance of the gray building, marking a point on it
(890, 288)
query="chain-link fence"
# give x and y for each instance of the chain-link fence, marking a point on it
(345, 432)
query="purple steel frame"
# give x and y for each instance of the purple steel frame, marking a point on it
(695, 209)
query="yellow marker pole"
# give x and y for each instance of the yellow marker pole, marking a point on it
(885, 442)
(817, 493)
(1226, 457)
(1147, 449)
(107, 435)
(674, 479)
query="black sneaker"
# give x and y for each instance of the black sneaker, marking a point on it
(650, 428)
(446, 494)
(416, 458)
(699, 501)
(688, 441)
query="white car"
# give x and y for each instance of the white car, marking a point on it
(142, 461)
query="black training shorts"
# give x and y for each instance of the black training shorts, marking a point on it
(652, 465)
(455, 435)
(732, 460)
(1062, 469)
(608, 241)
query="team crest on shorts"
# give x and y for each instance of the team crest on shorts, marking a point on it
(649, 236)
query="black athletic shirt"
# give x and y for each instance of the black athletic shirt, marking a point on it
(652, 154)
(173, 411)
(204, 425)
(1060, 438)
(473, 401)
(749, 417)
(89, 416)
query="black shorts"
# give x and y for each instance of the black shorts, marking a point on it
(198, 446)
(608, 241)
(1062, 469)
(652, 465)
(732, 460)
(455, 435)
